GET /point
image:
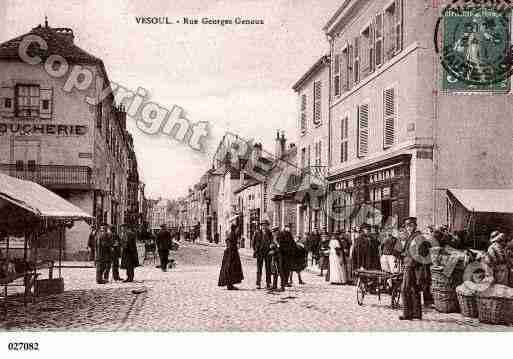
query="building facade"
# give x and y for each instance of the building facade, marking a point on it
(399, 137)
(52, 135)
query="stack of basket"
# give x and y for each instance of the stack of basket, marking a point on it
(444, 289)
(495, 305)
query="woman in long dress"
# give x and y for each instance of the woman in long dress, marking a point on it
(231, 267)
(337, 275)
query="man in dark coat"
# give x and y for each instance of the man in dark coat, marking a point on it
(287, 251)
(103, 251)
(91, 243)
(231, 267)
(116, 253)
(129, 256)
(163, 246)
(414, 266)
(361, 249)
(262, 243)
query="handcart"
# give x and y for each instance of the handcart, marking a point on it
(378, 282)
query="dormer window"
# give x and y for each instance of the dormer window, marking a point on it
(27, 100)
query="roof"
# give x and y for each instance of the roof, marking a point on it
(37, 199)
(320, 64)
(485, 200)
(333, 19)
(247, 184)
(59, 41)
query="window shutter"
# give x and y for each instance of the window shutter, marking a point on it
(372, 39)
(389, 117)
(350, 66)
(356, 68)
(7, 101)
(379, 40)
(363, 130)
(46, 103)
(336, 72)
(317, 103)
(303, 113)
(398, 25)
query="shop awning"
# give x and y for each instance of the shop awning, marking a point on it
(485, 200)
(37, 199)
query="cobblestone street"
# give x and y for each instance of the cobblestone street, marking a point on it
(187, 299)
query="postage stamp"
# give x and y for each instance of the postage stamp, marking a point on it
(474, 46)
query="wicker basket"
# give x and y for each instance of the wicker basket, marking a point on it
(468, 305)
(445, 301)
(495, 310)
(439, 281)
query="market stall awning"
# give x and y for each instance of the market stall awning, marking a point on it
(485, 200)
(37, 199)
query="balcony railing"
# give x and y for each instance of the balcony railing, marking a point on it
(52, 176)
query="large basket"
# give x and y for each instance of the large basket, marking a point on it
(495, 310)
(468, 305)
(439, 281)
(445, 301)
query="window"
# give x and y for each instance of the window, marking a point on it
(317, 103)
(379, 39)
(308, 156)
(344, 78)
(303, 113)
(31, 165)
(318, 153)
(336, 73)
(27, 100)
(363, 130)
(394, 26)
(389, 114)
(8, 103)
(46, 104)
(99, 115)
(107, 133)
(344, 139)
(356, 59)
(349, 71)
(367, 52)
(20, 165)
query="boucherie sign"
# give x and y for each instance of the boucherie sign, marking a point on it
(42, 129)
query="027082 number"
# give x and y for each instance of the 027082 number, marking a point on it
(20, 346)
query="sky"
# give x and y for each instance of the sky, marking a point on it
(238, 78)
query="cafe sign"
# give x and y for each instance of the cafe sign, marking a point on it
(42, 129)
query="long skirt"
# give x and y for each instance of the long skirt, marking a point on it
(298, 262)
(231, 268)
(337, 273)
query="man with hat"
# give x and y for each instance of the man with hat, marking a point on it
(361, 248)
(416, 257)
(261, 245)
(287, 251)
(275, 259)
(496, 258)
(163, 246)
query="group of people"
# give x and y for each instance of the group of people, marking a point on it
(107, 247)
(276, 253)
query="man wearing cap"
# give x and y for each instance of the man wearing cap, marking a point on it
(261, 244)
(275, 259)
(496, 258)
(361, 249)
(415, 260)
(103, 254)
(287, 251)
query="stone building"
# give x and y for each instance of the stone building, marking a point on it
(313, 91)
(68, 138)
(400, 134)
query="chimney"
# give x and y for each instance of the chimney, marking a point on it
(283, 142)
(278, 152)
(66, 34)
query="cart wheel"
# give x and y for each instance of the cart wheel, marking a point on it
(360, 291)
(395, 297)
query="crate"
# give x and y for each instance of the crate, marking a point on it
(445, 301)
(45, 287)
(468, 305)
(493, 310)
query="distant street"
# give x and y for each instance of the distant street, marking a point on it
(187, 299)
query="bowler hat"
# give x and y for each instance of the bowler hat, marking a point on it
(265, 221)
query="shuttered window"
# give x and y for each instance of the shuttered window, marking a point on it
(398, 25)
(303, 113)
(344, 78)
(394, 28)
(318, 153)
(389, 114)
(363, 130)
(350, 66)
(379, 40)
(344, 138)
(317, 103)
(336, 75)
(99, 115)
